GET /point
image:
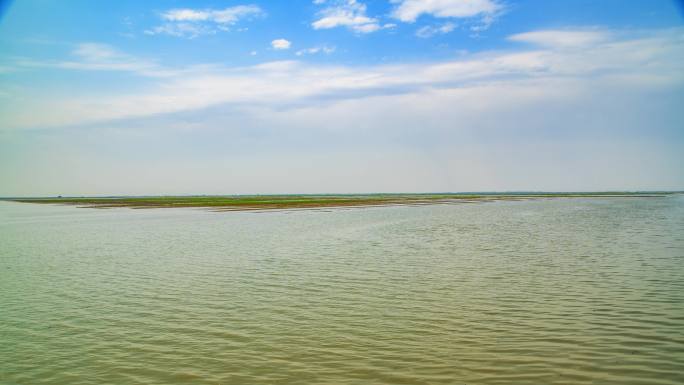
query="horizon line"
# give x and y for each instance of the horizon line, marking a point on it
(511, 192)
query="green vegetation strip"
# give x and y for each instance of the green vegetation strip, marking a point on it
(256, 202)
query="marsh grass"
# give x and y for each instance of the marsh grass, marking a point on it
(261, 202)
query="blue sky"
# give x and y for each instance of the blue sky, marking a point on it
(241, 97)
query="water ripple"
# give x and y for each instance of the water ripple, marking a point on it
(579, 291)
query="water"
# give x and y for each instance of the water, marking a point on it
(561, 291)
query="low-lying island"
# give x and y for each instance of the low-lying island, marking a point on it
(266, 202)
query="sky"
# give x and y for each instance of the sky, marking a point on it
(172, 97)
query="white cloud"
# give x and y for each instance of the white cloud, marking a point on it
(314, 50)
(561, 38)
(645, 61)
(190, 23)
(230, 15)
(281, 44)
(350, 14)
(410, 10)
(189, 30)
(103, 57)
(186, 15)
(430, 30)
(96, 52)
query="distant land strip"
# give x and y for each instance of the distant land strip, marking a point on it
(271, 202)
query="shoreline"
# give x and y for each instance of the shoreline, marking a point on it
(285, 202)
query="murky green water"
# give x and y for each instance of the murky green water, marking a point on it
(565, 291)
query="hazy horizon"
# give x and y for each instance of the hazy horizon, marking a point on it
(339, 96)
(359, 193)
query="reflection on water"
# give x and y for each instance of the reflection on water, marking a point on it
(561, 291)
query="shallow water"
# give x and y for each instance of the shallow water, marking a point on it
(557, 291)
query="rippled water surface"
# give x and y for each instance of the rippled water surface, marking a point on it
(560, 291)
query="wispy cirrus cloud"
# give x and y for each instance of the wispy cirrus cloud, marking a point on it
(230, 15)
(104, 57)
(318, 49)
(410, 10)
(191, 23)
(350, 14)
(562, 38)
(431, 30)
(482, 12)
(99, 57)
(627, 61)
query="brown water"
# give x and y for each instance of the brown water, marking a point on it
(560, 291)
